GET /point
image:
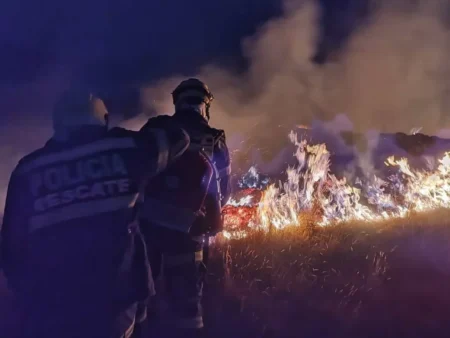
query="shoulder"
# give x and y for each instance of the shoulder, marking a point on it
(157, 121)
(24, 161)
(219, 135)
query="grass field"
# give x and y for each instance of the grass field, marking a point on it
(353, 280)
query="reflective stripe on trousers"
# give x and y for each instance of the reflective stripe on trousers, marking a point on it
(129, 332)
(174, 260)
(139, 317)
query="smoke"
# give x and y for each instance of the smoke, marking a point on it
(392, 75)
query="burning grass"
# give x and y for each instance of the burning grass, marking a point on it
(354, 280)
(311, 191)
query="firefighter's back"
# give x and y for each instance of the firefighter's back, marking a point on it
(176, 238)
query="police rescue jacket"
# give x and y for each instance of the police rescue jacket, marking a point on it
(203, 180)
(67, 239)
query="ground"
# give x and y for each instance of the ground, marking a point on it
(354, 280)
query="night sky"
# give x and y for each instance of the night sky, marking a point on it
(120, 43)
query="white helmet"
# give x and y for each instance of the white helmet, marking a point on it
(77, 108)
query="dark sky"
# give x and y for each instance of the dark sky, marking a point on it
(44, 44)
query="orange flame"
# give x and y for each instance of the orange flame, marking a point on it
(310, 187)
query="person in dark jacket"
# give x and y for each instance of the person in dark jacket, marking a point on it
(184, 252)
(71, 249)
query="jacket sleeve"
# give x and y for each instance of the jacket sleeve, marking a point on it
(223, 164)
(13, 239)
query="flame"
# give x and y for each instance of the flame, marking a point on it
(310, 189)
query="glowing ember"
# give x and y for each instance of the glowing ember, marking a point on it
(240, 214)
(310, 189)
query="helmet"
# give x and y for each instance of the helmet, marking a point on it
(195, 86)
(76, 108)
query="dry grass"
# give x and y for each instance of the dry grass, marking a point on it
(353, 280)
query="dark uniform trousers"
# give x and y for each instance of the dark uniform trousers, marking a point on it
(180, 257)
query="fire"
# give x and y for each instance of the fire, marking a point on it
(311, 189)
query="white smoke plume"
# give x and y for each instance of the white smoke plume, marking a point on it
(392, 75)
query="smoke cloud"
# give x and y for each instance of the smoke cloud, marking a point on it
(392, 75)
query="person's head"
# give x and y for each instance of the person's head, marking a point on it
(77, 108)
(192, 96)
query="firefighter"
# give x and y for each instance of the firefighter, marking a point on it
(71, 249)
(189, 212)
